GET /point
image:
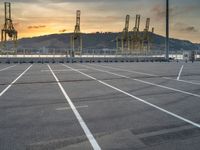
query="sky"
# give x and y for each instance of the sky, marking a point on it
(42, 17)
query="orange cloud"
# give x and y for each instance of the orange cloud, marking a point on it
(63, 30)
(36, 27)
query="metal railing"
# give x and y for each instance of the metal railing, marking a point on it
(92, 53)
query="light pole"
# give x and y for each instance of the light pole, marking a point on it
(167, 31)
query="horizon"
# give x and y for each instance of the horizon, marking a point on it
(39, 18)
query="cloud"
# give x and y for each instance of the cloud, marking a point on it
(63, 30)
(185, 28)
(189, 29)
(36, 27)
(159, 11)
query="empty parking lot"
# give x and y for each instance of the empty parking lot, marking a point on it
(125, 106)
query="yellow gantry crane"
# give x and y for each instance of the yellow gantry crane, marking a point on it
(146, 36)
(123, 41)
(8, 33)
(76, 38)
(135, 36)
(135, 40)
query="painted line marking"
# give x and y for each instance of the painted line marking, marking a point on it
(191, 82)
(179, 74)
(15, 80)
(63, 70)
(8, 68)
(89, 135)
(141, 73)
(68, 108)
(152, 75)
(139, 99)
(146, 82)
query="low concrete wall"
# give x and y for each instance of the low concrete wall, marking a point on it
(79, 59)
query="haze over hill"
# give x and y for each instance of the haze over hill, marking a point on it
(98, 41)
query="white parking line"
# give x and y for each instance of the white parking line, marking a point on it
(8, 68)
(63, 70)
(146, 82)
(185, 81)
(89, 135)
(179, 74)
(139, 99)
(152, 75)
(68, 108)
(131, 71)
(15, 80)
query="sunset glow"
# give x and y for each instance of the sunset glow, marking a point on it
(36, 18)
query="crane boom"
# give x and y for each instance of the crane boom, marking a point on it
(147, 24)
(127, 23)
(137, 23)
(78, 18)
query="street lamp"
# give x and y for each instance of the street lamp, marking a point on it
(167, 31)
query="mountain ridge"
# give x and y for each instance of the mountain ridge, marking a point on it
(99, 41)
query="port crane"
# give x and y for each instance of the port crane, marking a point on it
(76, 38)
(8, 33)
(123, 41)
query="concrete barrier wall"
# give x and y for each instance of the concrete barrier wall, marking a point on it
(79, 60)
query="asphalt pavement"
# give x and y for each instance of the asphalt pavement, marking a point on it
(111, 106)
